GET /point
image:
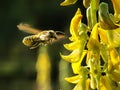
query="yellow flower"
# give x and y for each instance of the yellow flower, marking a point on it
(68, 2)
(75, 22)
(43, 67)
(115, 58)
(114, 65)
(76, 65)
(103, 36)
(73, 45)
(81, 80)
(105, 83)
(110, 37)
(73, 57)
(93, 43)
(110, 27)
(115, 75)
(116, 5)
(114, 37)
(78, 38)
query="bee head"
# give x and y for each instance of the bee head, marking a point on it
(52, 34)
(55, 34)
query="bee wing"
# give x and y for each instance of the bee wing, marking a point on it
(28, 29)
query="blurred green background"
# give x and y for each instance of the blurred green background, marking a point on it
(17, 62)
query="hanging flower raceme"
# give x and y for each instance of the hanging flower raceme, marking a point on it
(110, 38)
(100, 49)
(78, 38)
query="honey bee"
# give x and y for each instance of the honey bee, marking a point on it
(39, 37)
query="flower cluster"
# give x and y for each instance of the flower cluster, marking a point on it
(100, 49)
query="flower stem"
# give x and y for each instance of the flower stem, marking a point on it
(94, 6)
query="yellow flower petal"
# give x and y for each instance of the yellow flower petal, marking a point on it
(73, 57)
(68, 2)
(75, 22)
(114, 37)
(72, 46)
(93, 43)
(105, 83)
(116, 5)
(103, 36)
(82, 80)
(79, 86)
(114, 59)
(104, 53)
(76, 66)
(115, 75)
(84, 86)
(110, 37)
(73, 79)
(94, 33)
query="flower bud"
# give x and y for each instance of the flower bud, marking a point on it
(104, 17)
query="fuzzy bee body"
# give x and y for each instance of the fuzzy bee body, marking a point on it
(39, 37)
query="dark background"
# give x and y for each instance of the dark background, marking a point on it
(17, 62)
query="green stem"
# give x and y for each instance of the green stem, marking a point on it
(94, 7)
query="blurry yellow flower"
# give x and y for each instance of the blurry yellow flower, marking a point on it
(114, 65)
(68, 2)
(114, 37)
(43, 67)
(110, 37)
(103, 36)
(104, 52)
(115, 75)
(116, 5)
(105, 83)
(115, 58)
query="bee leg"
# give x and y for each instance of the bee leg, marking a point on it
(51, 40)
(34, 45)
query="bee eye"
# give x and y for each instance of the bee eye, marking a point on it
(51, 33)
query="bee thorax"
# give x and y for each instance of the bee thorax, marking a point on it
(44, 37)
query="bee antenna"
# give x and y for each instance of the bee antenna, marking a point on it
(59, 33)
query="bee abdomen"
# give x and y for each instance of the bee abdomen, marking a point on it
(28, 40)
